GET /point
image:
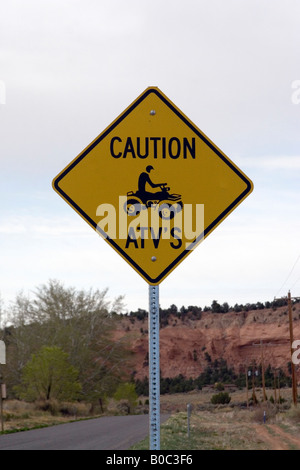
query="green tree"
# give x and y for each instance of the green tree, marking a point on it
(173, 309)
(215, 307)
(126, 391)
(225, 307)
(49, 375)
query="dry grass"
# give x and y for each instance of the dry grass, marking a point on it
(21, 415)
(179, 401)
(225, 429)
(228, 427)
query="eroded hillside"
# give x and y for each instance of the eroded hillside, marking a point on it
(186, 344)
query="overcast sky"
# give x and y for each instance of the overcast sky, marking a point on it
(68, 68)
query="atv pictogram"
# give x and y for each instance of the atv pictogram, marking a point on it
(167, 204)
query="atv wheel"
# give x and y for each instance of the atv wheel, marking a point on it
(178, 206)
(166, 211)
(132, 207)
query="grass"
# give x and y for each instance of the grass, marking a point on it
(224, 427)
(209, 430)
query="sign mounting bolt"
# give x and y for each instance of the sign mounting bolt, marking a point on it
(152, 112)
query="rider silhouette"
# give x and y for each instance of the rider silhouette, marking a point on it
(144, 178)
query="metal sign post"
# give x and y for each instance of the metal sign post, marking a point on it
(2, 352)
(154, 371)
(2, 386)
(189, 412)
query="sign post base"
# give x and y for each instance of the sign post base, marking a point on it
(154, 371)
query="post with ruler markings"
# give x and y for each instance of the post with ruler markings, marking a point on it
(294, 380)
(154, 371)
(189, 412)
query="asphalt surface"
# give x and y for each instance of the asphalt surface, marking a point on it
(107, 433)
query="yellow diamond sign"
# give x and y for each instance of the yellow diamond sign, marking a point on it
(153, 185)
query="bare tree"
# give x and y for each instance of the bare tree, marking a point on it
(79, 322)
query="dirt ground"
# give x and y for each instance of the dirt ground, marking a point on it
(276, 438)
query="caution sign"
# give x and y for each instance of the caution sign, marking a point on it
(153, 185)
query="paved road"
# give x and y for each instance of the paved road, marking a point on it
(107, 433)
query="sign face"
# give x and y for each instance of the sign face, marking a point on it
(153, 185)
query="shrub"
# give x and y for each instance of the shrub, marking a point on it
(50, 406)
(219, 386)
(264, 411)
(294, 415)
(127, 396)
(221, 398)
(123, 407)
